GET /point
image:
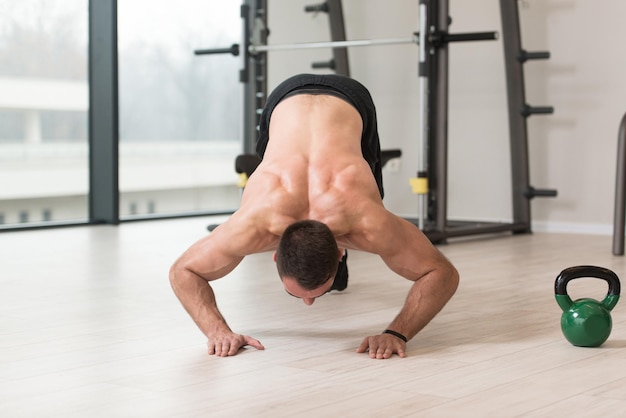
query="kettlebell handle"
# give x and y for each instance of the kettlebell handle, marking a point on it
(571, 273)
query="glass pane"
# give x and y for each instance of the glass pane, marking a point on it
(43, 111)
(180, 114)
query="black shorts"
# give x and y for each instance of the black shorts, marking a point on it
(335, 85)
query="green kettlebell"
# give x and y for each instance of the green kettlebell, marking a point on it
(586, 322)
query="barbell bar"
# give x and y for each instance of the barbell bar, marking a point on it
(254, 49)
(415, 39)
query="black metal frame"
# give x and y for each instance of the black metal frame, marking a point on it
(437, 226)
(253, 74)
(339, 63)
(619, 214)
(103, 113)
(432, 217)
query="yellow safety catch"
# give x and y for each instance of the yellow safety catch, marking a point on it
(243, 179)
(419, 185)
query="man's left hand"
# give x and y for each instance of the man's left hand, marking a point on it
(382, 346)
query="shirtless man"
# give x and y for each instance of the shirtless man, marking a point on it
(317, 192)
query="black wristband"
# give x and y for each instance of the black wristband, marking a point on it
(395, 334)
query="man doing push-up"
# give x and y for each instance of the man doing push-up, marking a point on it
(316, 193)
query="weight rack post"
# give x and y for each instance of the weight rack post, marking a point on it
(424, 74)
(433, 119)
(254, 72)
(516, 103)
(620, 191)
(339, 63)
(438, 141)
(519, 111)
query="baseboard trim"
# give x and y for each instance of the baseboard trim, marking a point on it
(572, 228)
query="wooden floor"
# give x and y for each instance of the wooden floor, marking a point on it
(90, 328)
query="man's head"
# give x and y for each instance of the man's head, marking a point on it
(307, 254)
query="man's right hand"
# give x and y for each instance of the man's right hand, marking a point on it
(226, 345)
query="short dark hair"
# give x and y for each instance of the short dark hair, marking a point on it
(308, 253)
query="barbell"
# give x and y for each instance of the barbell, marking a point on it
(434, 38)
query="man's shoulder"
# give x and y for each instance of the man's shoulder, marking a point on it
(371, 227)
(247, 233)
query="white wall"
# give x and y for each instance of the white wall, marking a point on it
(573, 150)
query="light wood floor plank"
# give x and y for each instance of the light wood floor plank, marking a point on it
(90, 327)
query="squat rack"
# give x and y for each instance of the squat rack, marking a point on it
(437, 226)
(432, 39)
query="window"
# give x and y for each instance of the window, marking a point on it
(180, 116)
(43, 109)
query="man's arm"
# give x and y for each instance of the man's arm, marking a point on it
(209, 259)
(410, 254)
